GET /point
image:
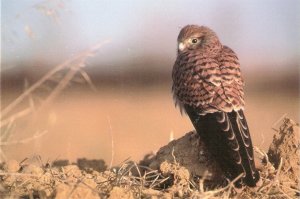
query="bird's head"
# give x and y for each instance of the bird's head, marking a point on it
(193, 37)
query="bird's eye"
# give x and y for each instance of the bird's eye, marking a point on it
(194, 41)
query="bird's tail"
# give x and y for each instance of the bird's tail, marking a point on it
(227, 138)
(241, 130)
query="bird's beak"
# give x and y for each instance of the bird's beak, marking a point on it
(181, 46)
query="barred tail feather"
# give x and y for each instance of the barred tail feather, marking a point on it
(227, 138)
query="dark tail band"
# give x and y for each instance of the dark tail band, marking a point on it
(227, 138)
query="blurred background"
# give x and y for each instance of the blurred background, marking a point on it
(132, 112)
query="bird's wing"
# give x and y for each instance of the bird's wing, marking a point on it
(195, 78)
(231, 90)
(230, 99)
(209, 84)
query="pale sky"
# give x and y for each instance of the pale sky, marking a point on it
(264, 33)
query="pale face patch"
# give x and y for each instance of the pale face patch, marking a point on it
(181, 46)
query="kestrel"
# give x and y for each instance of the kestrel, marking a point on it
(208, 86)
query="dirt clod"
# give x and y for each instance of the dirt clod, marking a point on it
(284, 151)
(11, 166)
(121, 193)
(189, 152)
(75, 191)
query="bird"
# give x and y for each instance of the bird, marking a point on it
(209, 88)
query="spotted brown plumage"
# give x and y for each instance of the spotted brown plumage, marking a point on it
(208, 86)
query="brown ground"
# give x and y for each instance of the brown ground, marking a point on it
(84, 124)
(35, 179)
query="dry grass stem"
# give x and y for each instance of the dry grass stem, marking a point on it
(274, 126)
(23, 141)
(112, 143)
(67, 71)
(74, 64)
